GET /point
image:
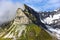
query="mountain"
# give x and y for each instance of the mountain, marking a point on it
(25, 26)
(52, 21)
(49, 21)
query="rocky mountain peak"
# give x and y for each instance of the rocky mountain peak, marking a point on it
(32, 30)
(21, 18)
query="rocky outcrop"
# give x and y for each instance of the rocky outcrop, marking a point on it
(21, 18)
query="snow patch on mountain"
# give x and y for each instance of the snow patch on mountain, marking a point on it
(52, 22)
(50, 19)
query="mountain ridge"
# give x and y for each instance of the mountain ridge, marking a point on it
(29, 19)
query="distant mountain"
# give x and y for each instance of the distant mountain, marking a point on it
(52, 21)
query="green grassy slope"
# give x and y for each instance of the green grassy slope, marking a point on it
(33, 32)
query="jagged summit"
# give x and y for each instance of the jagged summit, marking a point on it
(21, 17)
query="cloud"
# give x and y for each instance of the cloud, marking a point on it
(8, 10)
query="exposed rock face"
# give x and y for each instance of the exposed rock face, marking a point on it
(21, 18)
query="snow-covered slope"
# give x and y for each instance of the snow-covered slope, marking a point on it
(52, 21)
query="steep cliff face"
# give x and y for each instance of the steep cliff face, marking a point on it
(25, 26)
(34, 16)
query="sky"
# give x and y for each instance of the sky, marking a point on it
(41, 5)
(8, 7)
